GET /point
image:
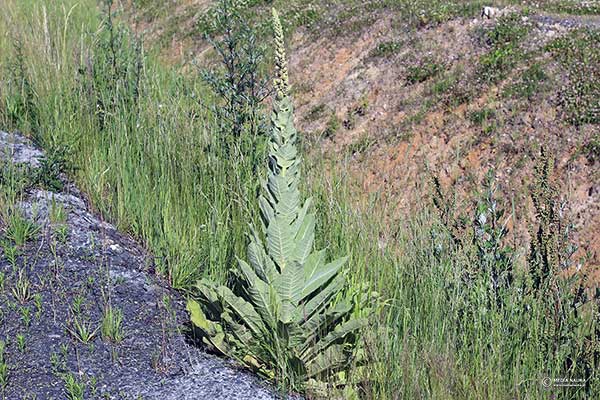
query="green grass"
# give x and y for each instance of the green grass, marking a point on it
(146, 153)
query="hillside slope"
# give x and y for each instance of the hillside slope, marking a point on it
(400, 91)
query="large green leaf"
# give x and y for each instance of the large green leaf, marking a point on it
(264, 299)
(277, 186)
(288, 206)
(244, 311)
(280, 243)
(322, 275)
(351, 326)
(319, 302)
(288, 286)
(304, 239)
(314, 262)
(259, 260)
(267, 211)
(300, 217)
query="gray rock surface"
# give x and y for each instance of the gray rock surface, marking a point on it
(96, 262)
(18, 149)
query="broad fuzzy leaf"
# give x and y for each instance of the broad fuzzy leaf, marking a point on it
(263, 298)
(304, 239)
(244, 310)
(288, 286)
(322, 276)
(280, 242)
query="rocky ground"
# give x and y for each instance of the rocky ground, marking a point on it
(81, 313)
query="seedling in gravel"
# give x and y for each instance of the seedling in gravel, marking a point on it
(57, 263)
(57, 212)
(76, 307)
(83, 331)
(58, 363)
(21, 342)
(2, 280)
(74, 389)
(112, 329)
(11, 252)
(22, 289)
(93, 386)
(37, 300)
(62, 233)
(25, 316)
(3, 368)
(20, 229)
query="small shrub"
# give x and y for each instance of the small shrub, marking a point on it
(21, 110)
(333, 125)
(494, 66)
(114, 76)
(591, 149)
(509, 29)
(422, 72)
(480, 117)
(503, 40)
(386, 49)
(239, 84)
(355, 112)
(316, 112)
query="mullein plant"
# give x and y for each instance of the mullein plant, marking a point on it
(287, 315)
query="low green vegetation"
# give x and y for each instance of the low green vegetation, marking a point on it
(466, 311)
(425, 70)
(530, 82)
(386, 49)
(4, 368)
(580, 97)
(504, 52)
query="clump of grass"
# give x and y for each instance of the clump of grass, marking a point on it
(333, 125)
(3, 368)
(480, 117)
(111, 326)
(20, 229)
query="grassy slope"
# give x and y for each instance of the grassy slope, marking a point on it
(395, 85)
(151, 168)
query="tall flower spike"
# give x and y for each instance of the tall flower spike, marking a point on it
(281, 81)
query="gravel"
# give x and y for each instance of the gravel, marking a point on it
(96, 265)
